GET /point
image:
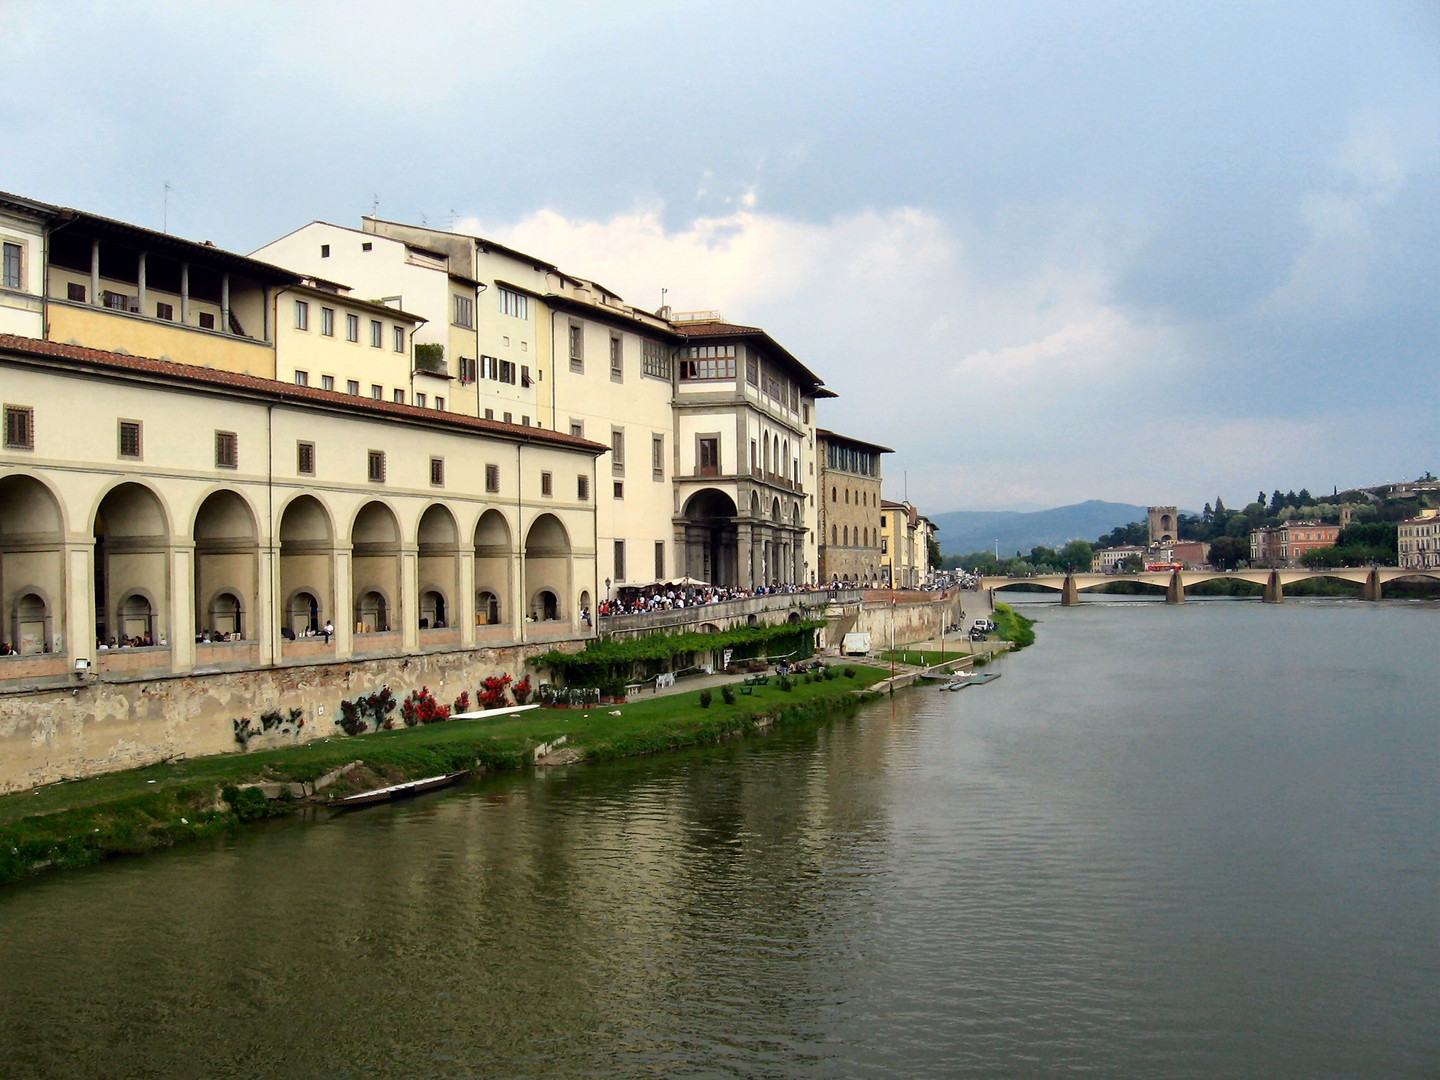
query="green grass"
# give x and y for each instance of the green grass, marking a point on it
(923, 657)
(1014, 627)
(84, 821)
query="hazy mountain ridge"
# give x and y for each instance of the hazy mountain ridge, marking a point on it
(964, 531)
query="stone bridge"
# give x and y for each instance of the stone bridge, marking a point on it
(1371, 580)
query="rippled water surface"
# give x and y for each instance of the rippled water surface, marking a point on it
(1194, 841)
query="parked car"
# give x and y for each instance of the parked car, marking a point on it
(984, 625)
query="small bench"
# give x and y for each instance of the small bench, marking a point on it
(757, 680)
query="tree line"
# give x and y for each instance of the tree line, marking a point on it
(1370, 538)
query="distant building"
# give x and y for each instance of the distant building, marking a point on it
(1419, 541)
(849, 505)
(1283, 545)
(1108, 560)
(905, 536)
(1164, 522)
(1193, 553)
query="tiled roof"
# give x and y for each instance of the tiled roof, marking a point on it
(14, 344)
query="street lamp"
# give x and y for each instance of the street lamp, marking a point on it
(607, 590)
(997, 550)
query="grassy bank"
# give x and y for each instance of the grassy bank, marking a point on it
(84, 821)
(1013, 627)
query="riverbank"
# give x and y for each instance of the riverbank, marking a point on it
(80, 822)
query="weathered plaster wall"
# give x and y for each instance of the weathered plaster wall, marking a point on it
(103, 726)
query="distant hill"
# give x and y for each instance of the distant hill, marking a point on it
(964, 531)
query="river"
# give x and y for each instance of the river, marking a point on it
(1191, 841)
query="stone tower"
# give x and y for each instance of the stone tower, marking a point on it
(1164, 524)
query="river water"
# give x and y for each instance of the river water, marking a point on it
(1192, 841)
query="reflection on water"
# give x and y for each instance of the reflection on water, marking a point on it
(1194, 841)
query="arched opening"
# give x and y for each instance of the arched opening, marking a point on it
(136, 622)
(227, 561)
(432, 610)
(225, 617)
(438, 566)
(302, 615)
(547, 567)
(32, 563)
(30, 631)
(546, 606)
(372, 613)
(375, 568)
(132, 579)
(711, 544)
(306, 566)
(493, 568)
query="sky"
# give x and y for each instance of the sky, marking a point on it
(1140, 252)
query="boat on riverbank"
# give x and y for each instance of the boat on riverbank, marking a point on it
(400, 791)
(971, 678)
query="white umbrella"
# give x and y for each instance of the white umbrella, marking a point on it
(687, 581)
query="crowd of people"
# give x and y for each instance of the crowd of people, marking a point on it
(140, 641)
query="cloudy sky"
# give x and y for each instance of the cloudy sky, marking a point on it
(1145, 252)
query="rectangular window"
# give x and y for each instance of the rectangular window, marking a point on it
(577, 347)
(524, 421)
(377, 391)
(514, 303)
(419, 401)
(227, 450)
(617, 358)
(437, 472)
(507, 418)
(352, 386)
(302, 378)
(465, 312)
(524, 373)
(305, 458)
(327, 382)
(492, 478)
(327, 321)
(324, 251)
(489, 367)
(75, 291)
(399, 339)
(507, 372)
(617, 451)
(377, 330)
(115, 301)
(467, 370)
(352, 328)
(710, 457)
(207, 320)
(489, 414)
(375, 466)
(19, 427)
(546, 485)
(752, 370)
(582, 488)
(708, 362)
(302, 315)
(660, 559)
(657, 456)
(164, 311)
(577, 428)
(619, 560)
(399, 397)
(655, 359)
(439, 403)
(13, 275)
(130, 438)
(619, 489)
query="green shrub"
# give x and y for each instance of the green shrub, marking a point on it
(849, 673)
(705, 698)
(829, 672)
(727, 694)
(785, 683)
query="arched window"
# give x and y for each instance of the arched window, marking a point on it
(487, 608)
(547, 607)
(304, 614)
(845, 535)
(834, 534)
(31, 626)
(226, 617)
(136, 618)
(372, 615)
(432, 610)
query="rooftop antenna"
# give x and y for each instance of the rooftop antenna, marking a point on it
(374, 203)
(165, 211)
(450, 224)
(663, 293)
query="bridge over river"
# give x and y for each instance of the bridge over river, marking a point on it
(1371, 580)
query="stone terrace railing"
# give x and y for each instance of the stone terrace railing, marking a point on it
(729, 611)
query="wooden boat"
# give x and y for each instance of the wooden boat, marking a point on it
(400, 791)
(971, 678)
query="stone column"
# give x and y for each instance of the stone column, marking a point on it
(144, 293)
(464, 606)
(182, 605)
(267, 618)
(341, 602)
(1274, 592)
(95, 271)
(409, 614)
(78, 624)
(1175, 591)
(1069, 594)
